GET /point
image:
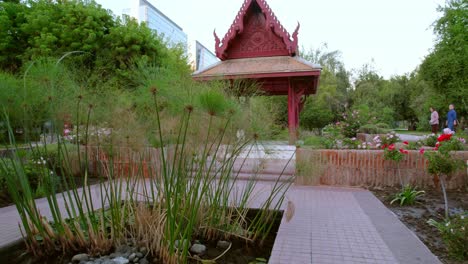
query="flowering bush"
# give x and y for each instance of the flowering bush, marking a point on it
(442, 164)
(391, 153)
(332, 137)
(385, 141)
(430, 140)
(455, 235)
(350, 124)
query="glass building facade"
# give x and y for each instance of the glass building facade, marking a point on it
(204, 57)
(160, 23)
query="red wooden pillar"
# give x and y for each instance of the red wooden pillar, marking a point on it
(293, 113)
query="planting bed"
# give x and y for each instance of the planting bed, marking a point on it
(240, 252)
(429, 206)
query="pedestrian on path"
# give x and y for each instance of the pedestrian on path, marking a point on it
(451, 118)
(434, 120)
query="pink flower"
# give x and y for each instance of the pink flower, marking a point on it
(391, 147)
(421, 151)
(405, 142)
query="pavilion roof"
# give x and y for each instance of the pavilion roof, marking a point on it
(272, 23)
(260, 67)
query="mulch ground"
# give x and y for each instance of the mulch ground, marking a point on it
(429, 206)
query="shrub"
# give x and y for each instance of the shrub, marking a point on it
(407, 196)
(313, 141)
(442, 164)
(350, 124)
(430, 140)
(50, 155)
(378, 128)
(332, 137)
(414, 145)
(455, 235)
(35, 172)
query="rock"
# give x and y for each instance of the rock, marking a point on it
(108, 261)
(185, 242)
(198, 249)
(223, 244)
(139, 255)
(132, 257)
(120, 260)
(144, 250)
(123, 249)
(135, 260)
(80, 257)
(114, 255)
(144, 261)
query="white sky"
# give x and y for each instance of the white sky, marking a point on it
(396, 34)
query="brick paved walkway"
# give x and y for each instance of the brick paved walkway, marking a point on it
(330, 225)
(339, 225)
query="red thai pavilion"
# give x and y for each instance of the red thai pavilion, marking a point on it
(257, 47)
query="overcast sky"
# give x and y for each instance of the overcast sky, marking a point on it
(396, 34)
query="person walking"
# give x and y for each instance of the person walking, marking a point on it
(434, 122)
(451, 118)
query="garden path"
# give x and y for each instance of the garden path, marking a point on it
(412, 138)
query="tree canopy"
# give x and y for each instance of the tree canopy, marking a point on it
(44, 28)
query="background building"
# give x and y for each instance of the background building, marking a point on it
(203, 57)
(144, 11)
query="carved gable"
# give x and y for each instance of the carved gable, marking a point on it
(257, 40)
(256, 32)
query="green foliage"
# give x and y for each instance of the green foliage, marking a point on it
(213, 102)
(103, 49)
(445, 68)
(332, 96)
(350, 124)
(331, 136)
(453, 144)
(393, 154)
(430, 140)
(378, 128)
(313, 142)
(414, 145)
(259, 261)
(316, 114)
(35, 171)
(454, 233)
(407, 196)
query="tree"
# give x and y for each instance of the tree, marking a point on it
(99, 42)
(332, 97)
(445, 68)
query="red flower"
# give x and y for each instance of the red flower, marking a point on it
(444, 137)
(405, 142)
(391, 147)
(404, 151)
(436, 148)
(421, 151)
(384, 146)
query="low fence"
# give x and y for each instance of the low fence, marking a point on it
(367, 168)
